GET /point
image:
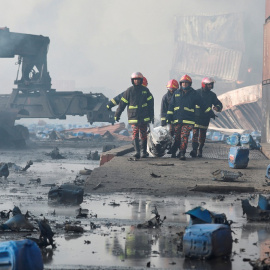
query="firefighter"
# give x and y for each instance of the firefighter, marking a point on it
(181, 112)
(172, 85)
(140, 111)
(202, 120)
(115, 101)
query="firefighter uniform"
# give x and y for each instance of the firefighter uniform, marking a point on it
(140, 110)
(202, 120)
(114, 101)
(181, 112)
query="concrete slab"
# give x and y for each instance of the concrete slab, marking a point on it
(166, 176)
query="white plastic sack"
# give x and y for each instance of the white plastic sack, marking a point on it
(158, 140)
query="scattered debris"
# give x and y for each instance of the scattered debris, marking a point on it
(85, 171)
(66, 194)
(155, 175)
(260, 264)
(226, 175)
(154, 222)
(4, 171)
(73, 228)
(82, 213)
(46, 233)
(17, 222)
(35, 181)
(55, 154)
(259, 213)
(162, 164)
(200, 215)
(28, 164)
(114, 204)
(93, 156)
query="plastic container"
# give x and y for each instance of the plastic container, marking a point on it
(247, 140)
(264, 202)
(207, 240)
(20, 255)
(238, 157)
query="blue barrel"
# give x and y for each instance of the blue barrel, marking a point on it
(238, 157)
(207, 240)
(20, 255)
(89, 135)
(264, 202)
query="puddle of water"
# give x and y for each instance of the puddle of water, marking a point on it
(117, 241)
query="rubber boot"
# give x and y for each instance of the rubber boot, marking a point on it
(194, 150)
(174, 149)
(144, 148)
(182, 155)
(136, 144)
(200, 150)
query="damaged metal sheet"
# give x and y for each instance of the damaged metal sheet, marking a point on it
(200, 215)
(226, 175)
(256, 213)
(66, 194)
(154, 222)
(17, 222)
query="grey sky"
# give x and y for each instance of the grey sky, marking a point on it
(99, 43)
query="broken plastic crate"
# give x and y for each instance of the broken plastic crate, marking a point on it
(238, 157)
(204, 241)
(66, 194)
(20, 255)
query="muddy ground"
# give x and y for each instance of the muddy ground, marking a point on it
(126, 195)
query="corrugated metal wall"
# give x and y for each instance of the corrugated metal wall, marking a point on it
(209, 46)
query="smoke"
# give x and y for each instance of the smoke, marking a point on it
(99, 43)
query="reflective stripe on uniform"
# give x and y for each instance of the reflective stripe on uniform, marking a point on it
(177, 95)
(169, 112)
(175, 121)
(208, 109)
(108, 106)
(144, 105)
(176, 108)
(133, 121)
(163, 118)
(188, 122)
(133, 107)
(149, 98)
(146, 119)
(197, 107)
(188, 109)
(200, 126)
(144, 92)
(123, 99)
(113, 101)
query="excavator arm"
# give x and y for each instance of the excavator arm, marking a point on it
(33, 97)
(32, 58)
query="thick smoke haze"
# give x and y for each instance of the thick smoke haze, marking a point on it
(99, 43)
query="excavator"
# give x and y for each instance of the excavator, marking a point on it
(33, 97)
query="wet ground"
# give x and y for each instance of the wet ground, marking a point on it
(113, 241)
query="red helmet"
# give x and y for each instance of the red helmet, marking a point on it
(185, 78)
(138, 76)
(145, 82)
(207, 80)
(173, 84)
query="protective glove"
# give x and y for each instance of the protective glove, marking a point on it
(212, 115)
(116, 119)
